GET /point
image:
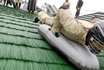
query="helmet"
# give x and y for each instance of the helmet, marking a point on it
(96, 41)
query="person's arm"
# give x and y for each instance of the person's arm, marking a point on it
(56, 25)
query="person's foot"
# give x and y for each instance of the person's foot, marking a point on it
(32, 11)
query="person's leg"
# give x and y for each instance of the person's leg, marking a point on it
(33, 8)
(19, 1)
(77, 12)
(7, 3)
(4, 2)
(29, 6)
(19, 5)
(14, 5)
(10, 2)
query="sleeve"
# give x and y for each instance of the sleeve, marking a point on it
(56, 24)
(42, 16)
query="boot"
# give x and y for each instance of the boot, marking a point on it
(32, 11)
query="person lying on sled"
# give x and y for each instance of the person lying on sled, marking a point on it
(65, 23)
(72, 28)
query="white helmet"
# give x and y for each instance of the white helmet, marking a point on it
(96, 42)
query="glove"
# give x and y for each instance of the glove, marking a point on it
(57, 34)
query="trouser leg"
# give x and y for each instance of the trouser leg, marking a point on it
(7, 3)
(4, 2)
(19, 5)
(16, 5)
(77, 12)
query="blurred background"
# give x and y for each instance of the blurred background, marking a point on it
(89, 6)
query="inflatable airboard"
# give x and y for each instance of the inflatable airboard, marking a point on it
(78, 54)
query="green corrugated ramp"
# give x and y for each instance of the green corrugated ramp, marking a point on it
(23, 48)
